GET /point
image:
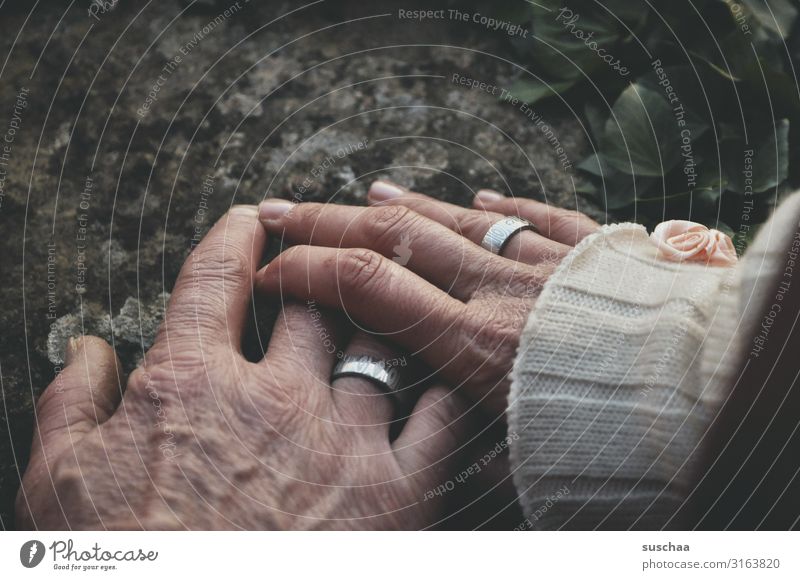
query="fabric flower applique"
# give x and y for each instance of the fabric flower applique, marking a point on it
(685, 241)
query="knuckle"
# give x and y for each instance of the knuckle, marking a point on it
(540, 273)
(570, 220)
(586, 224)
(294, 254)
(186, 328)
(495, 340)
(294, 258)
(304, 215)
(154, 382)
(49, 396)
(565, 217)
(175, 376)
(67, 477)
(495, 333)
(71, 481)
(141, 379)
(474, 224)
(363, 268)
(524, 281)
(529, 283)
(220, 261)
(385, 224)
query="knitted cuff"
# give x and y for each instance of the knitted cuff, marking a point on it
(610, 398)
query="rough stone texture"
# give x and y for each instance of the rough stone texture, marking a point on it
(258, 109)
(135, 326)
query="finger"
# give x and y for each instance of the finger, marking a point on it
(406, 237)
(561, 225)
(307, 338)
(378, 295)
(85, 394)
(526, 246)
(432, 439)
(213, 290)
(359, 400)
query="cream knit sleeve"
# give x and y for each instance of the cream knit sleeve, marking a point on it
(611, 394)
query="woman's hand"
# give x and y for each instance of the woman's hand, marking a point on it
(204, 439)
(412, 268)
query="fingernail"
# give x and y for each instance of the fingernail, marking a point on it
(273, 209)
(383, 190)
(488, 196)
(244, 210)
(73, 348)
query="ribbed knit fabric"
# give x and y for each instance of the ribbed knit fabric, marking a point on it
(621, 367)
(609, 396)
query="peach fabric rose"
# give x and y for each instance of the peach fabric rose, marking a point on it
(681, 240)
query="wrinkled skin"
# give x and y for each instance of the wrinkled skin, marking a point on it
(204, 439)
(452, 303)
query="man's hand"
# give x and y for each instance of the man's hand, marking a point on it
(203, 439)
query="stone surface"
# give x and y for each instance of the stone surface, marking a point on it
(135, 326)
(252, 110)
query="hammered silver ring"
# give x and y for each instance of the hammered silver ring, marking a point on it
(502, 231)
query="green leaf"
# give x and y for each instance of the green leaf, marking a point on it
(586, 187)
(621, 190)
(777, 16)
(597, 166)
(737, 55)
(561, 38)
(643, 135)
(518, 12)
(596, 118)
(738, 79)
(631, 13)
(685, 86)
(724, 228)
(613, 189)
(773, 88)
(702, 193)
(769, 165)
(531, 90)
(723, 72)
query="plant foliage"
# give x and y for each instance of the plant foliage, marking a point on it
(692, 106)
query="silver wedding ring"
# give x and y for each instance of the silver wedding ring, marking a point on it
(375, 370)
(502, 231)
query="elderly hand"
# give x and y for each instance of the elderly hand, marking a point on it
(204, 439)
(454, 304)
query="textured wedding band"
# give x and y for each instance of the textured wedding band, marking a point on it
(372, 369)
(502, 231)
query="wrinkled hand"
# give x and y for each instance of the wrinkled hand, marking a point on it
(454, 304)
(203, 439)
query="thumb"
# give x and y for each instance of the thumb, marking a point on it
(437, 431)
(83, 395)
